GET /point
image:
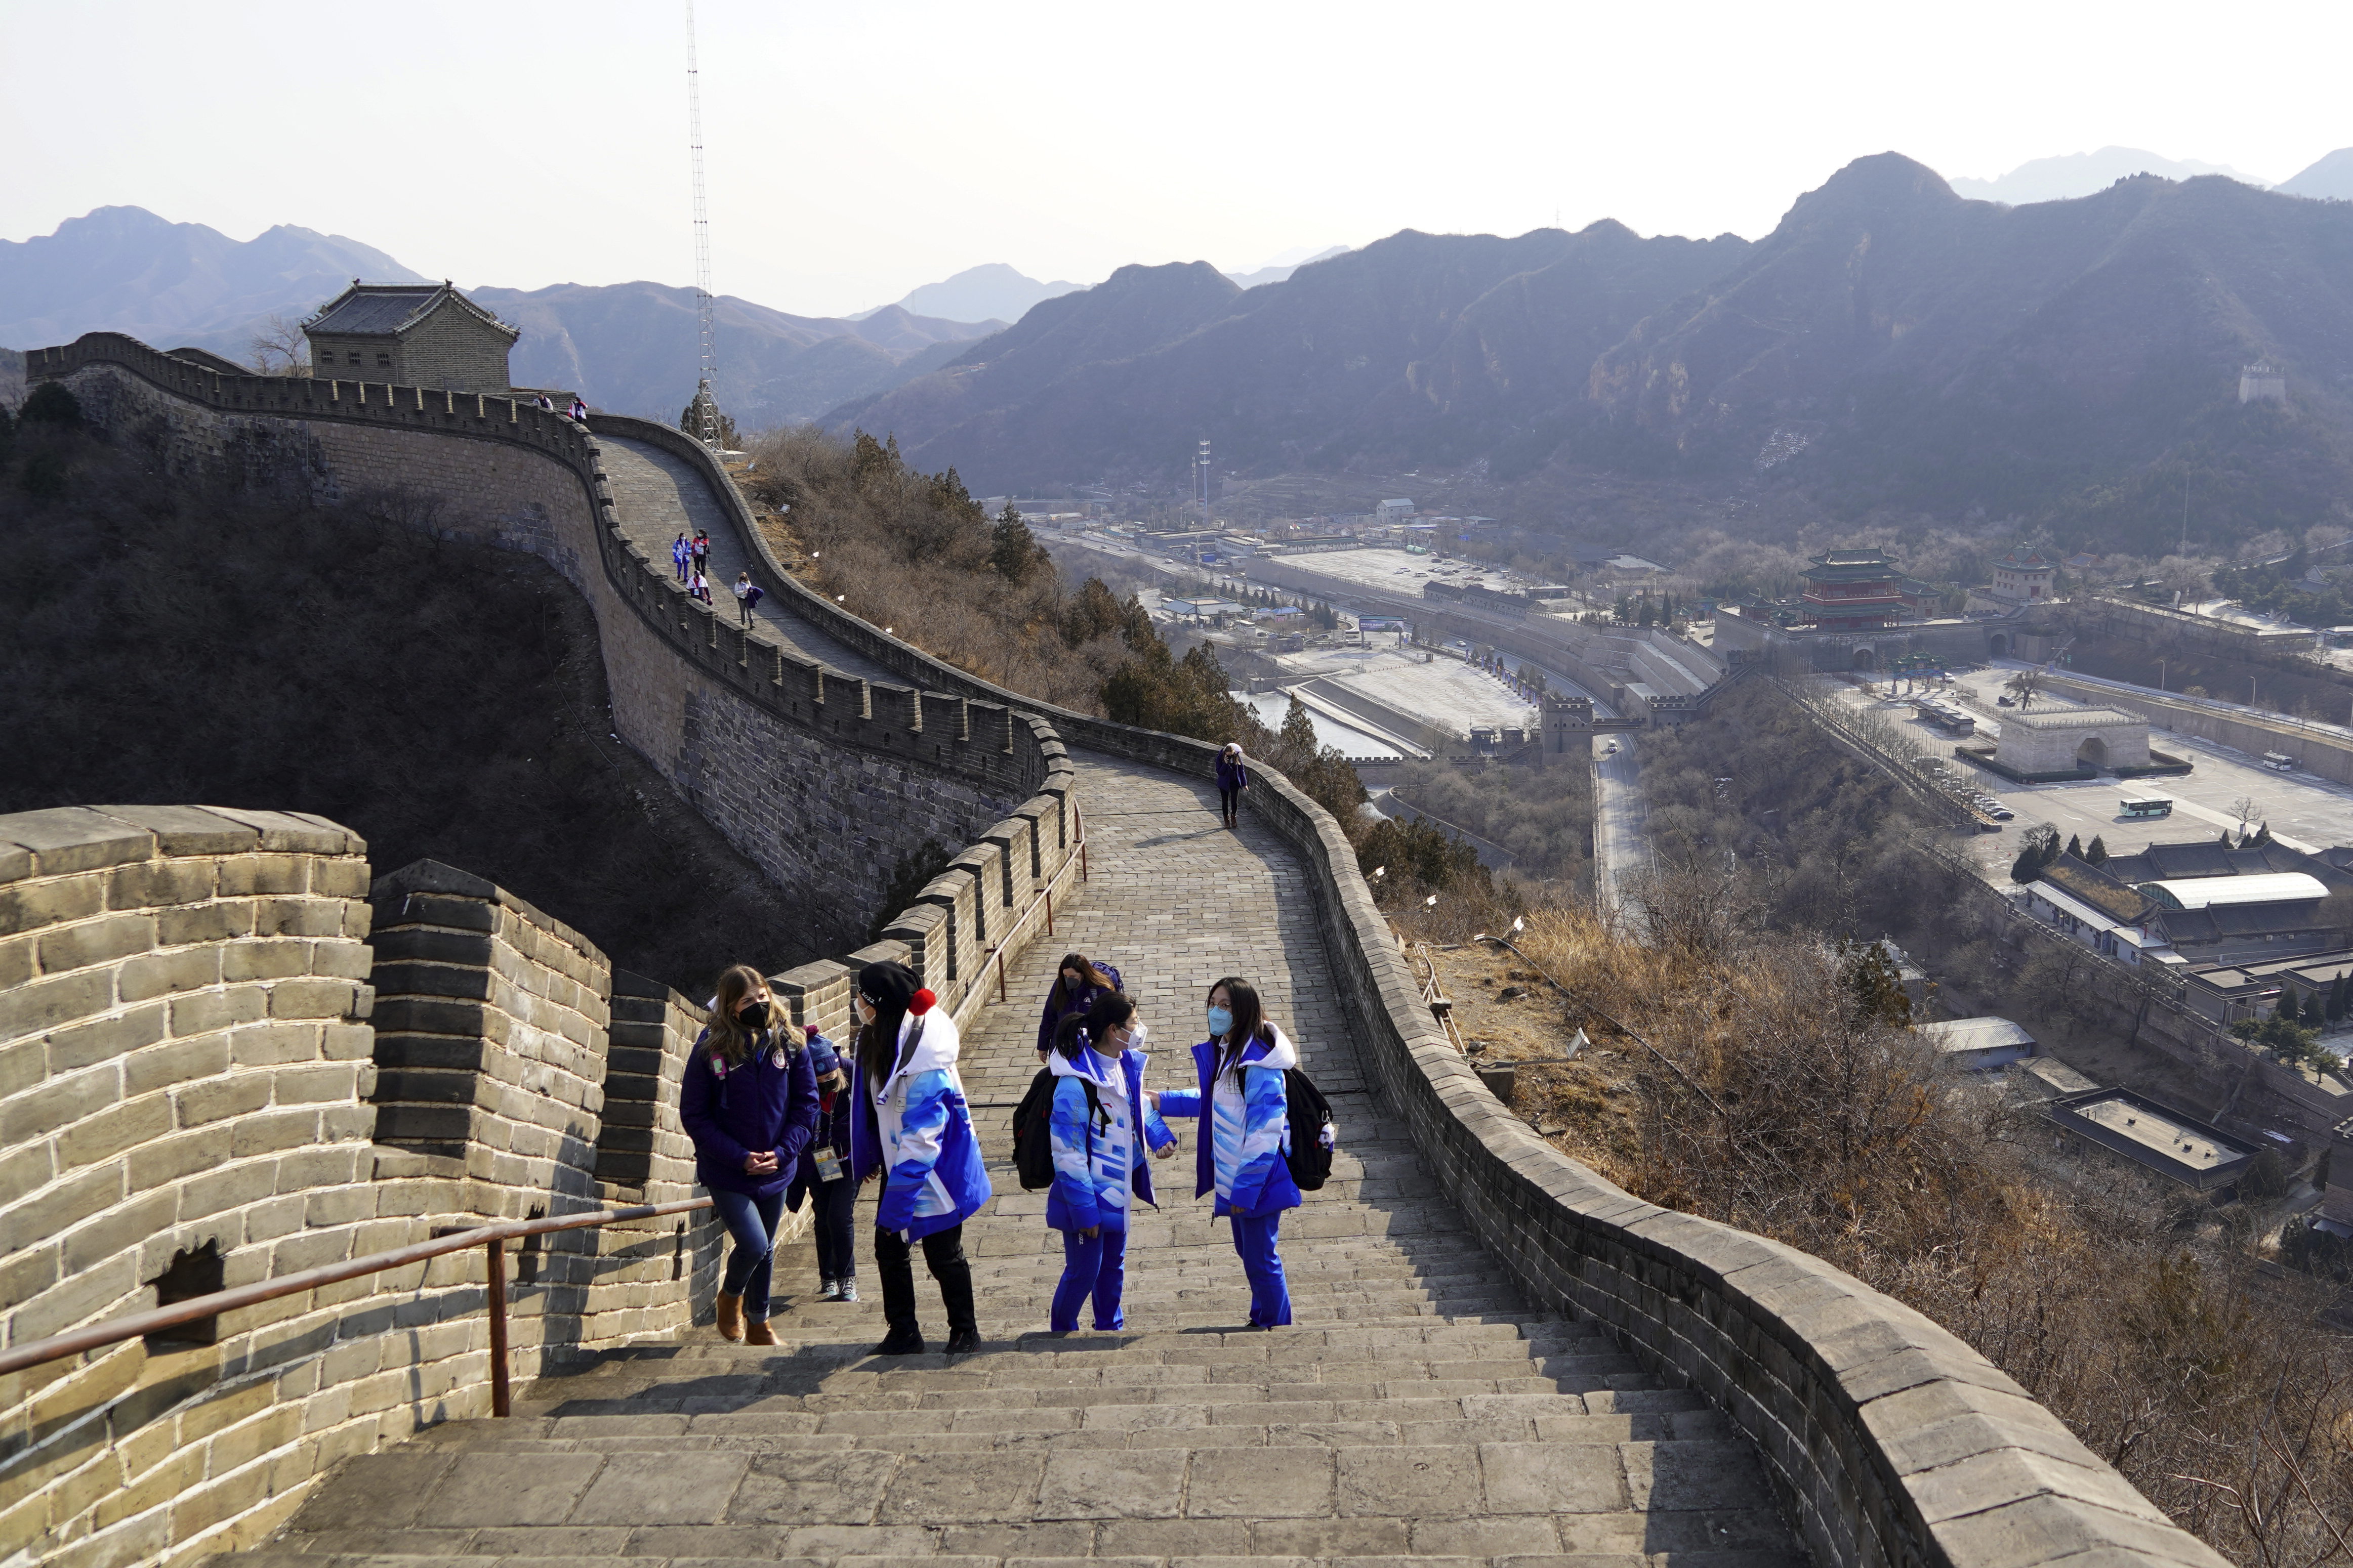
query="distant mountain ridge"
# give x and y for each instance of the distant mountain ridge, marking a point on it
(2075, 175)
(1915, 349)
(2329, 179)
(125, 269)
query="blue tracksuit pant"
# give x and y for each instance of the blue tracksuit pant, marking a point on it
(1094, 1267)
(1254, 1242)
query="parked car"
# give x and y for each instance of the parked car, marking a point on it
(1999, 812)
(2004, 702)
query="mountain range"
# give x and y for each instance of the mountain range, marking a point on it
(630, 347)
(1913, 349)
(2081, 174)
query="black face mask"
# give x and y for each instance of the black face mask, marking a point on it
(755, 1016)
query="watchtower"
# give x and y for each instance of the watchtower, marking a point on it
(1568, 728)
(2263, 382)
(412, 335)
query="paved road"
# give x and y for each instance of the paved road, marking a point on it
(1622, 837)
(658, 495)
(1415, 1408)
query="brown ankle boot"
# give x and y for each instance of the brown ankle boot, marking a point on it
(731, 1316)
(759, 1333)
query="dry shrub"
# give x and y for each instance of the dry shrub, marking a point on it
(1786, 1098)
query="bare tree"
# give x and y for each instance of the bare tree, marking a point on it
(2023, 686)
(2245, 809)
(280, 347)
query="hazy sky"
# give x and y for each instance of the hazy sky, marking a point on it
(855, 150)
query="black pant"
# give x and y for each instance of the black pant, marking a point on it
(943, 1256)
(1232, 800)
(831, 1203)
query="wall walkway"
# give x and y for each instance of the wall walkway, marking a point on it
(1879, 1438)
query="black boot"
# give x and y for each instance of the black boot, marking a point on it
(898, 1275)
(954, 1275)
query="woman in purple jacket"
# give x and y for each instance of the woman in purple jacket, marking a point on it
(1076, 987)
(1233, 779)
(749, 1101)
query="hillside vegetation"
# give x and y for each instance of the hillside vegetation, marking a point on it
(168, 642)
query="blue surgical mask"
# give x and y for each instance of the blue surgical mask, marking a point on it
(1221, 1020)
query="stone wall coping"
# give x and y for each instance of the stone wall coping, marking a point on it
(435, 877)
(58, 840)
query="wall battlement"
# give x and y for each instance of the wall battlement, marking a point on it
(1888, 1440)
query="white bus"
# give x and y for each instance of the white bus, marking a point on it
(2279, 763)
(2140, 806)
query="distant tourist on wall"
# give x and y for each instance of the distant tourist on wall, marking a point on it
(702, 549)
(580, 414)
(747, 596)
(913, 1127)
(1233, 779)
(680, 554)
(700, 588)
(749, 1101)
(824, 1175)
(1074, 990)
(547, 403)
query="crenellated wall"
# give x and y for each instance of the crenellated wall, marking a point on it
(816, 778)
(1888, 1440)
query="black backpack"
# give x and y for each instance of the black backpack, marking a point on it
(1033, 1133)
(1309, 1156)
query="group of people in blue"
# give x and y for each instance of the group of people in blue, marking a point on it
(780, 1116)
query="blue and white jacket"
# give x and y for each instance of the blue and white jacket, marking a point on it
(1249, 1126)
(1097, 1160)
(917, 1129)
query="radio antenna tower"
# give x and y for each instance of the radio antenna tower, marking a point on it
(706, 402)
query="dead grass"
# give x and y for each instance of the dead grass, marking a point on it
(1794, 1107)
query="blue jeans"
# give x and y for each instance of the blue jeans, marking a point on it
(1096, 1267)
(1254, 1242)
(752, 1225)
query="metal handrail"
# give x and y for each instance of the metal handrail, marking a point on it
(492, 1238)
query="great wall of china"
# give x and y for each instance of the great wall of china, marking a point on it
(231, 1049)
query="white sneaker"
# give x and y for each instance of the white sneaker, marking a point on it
(849, 1290)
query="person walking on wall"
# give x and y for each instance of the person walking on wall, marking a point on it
(680, 556)
(700, 547)
(1246, 1131)
(547, 403)
(1100, 1110)
(824, 1175)
(700, 588)
(747, 596)
(1074, 990)
(1233, 779)
(913, 1127)
(749, 1101)
(579, 411)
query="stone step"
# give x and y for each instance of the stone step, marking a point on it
(1039, 1499)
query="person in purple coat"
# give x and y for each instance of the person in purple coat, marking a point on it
(1233, 779)
(1076, 986)
(749, 1101)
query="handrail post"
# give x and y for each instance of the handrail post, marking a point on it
(1049, 908)
(1001, 972)
(500, 1402)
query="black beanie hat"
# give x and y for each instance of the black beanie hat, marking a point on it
(889, 986)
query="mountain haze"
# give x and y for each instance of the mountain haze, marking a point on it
(2330, 179)
(1416, 347)
(124, 269)
(633, 348)
(989, 292)
(2081, 174)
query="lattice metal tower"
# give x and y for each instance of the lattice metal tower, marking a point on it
(706, 402)
(1201, 464)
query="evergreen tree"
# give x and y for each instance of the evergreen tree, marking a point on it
(2029, 864)
(2096, 852)
(2314, 1011)
(2225, 839)
(2050, 850)
(1013, 550)
(2263, 835)
(2076, 844)
(2289, 1007)
(2337, 996)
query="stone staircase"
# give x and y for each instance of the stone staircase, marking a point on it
(1414, 1409)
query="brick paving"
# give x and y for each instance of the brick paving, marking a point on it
(1414, 1410)
(659, 495)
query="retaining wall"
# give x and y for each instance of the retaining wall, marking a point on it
(2326, 751)
(815, 777)
(1887, 1439)
(189, 1088)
